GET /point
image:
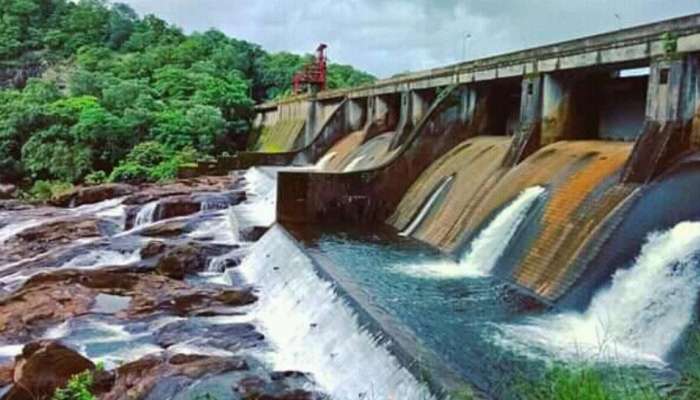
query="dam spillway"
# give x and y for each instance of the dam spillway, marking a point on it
(515, 201)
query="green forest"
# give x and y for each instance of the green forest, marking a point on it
(126, 98)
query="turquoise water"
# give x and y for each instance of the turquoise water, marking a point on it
(456, 317)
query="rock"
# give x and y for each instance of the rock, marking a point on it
(92, 194)
(138, 379)
(182, 260)
(178, 206)
(189, 258)
(45, 366)
(152, 249)
(42, 238)
(289, 387)
(253, 234)
(165, 229)
(7, 191)
(47, 299)
(230, 337)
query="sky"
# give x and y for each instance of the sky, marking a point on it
(386, 37)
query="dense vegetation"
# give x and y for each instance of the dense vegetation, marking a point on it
(112, 80)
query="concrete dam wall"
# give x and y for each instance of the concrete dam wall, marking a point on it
(559, 171)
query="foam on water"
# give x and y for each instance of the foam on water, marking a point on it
(260, 207)
(314, 330)
(103, 258)
(427, 207)
(354, 164)
(323, 162)
(146, 214)
(638, 318)
(488, 246)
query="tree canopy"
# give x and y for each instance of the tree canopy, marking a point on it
(113, 80)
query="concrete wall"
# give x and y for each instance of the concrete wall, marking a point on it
(370, 196)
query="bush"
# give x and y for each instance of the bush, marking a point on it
(96, 178)
(45, 190)
(130, 172)
(149, 154)
(588, 383)
(78, 388)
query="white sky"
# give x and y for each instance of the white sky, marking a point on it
(385, 37)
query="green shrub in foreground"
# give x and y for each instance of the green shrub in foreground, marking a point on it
(78, 388)
(45, 190)
(587, 383)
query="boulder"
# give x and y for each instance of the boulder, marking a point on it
(178, 206)
(42, 238)
(181, 261)
(152, 249)
(47, 365)
(7, 191)
(138, 379)
(232, 337)
(92, 194)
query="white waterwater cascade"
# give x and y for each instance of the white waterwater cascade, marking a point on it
(259, 208)
(146, 214)
(487, 247)
(353, 165)
(418, 220)
(311, 329)
(638, 318)
(323, 162)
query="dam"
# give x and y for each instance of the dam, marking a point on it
(489, 218)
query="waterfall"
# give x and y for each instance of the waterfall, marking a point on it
(260, 207)
(639, 317)
(485, 250)
(146, 214)
(312, 329)
(442, 188)
(323, 162)
(352, 166)
(234, 225)
(490, 244)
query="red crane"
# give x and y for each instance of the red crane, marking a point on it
(312, 76)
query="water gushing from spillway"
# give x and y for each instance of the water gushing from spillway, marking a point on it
(444, 185)
(638, 318)
(314, 330)
(488, 246)
(323, 162)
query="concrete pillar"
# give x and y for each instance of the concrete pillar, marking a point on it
(355, 114)
(528, 136)
(311, 122)
(553, 108)
(671, 126)
(419, 106)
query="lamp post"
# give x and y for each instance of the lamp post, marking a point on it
(465, 37)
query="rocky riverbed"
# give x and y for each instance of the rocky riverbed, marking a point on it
(133, 278)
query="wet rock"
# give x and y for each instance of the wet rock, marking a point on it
(286, 386)
(166, 229)
(182, 260)
(253, 234)
(231, 337)
(14, 205)
(178, 206)
(138, 379)
(47, 299)
(42, 238)
(45, 366)
(7, 191)
(92, 194)
(152, 249)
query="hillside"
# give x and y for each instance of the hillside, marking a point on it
(96, 92)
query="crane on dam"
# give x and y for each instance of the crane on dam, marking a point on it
(313, 76)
